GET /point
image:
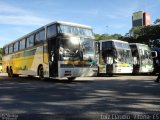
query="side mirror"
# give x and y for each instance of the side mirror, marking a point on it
(154, 54)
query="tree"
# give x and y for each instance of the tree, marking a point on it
(107, 36)
(145, 34)
(117, 36)
(157, 21)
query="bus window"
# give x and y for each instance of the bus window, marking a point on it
(40, 36)
(106, 45)
(30, 41)
(75, 30)
(22, 44)
(51, 31)
(6, 50)
(71, 48)
(10, 49)
(118, 44)
(16, 45)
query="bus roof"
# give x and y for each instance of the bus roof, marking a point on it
(113, 40)
(70, 24)
(56, 22)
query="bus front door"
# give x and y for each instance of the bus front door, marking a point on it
(53, 57)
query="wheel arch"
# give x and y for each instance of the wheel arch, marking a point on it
(38, 68)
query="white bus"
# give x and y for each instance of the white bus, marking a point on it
(142, 57)
(114, 57)
(57, 50)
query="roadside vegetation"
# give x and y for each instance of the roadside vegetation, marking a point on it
(144, 34)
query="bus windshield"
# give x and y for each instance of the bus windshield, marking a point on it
(75, 30)
(70, 48)
(75, 48)
(123, 52)
(123, 56)
(87, 46)
(146, 57)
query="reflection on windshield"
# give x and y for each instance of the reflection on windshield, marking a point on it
(123, 52)
(124, 56)
(75, 48)
(70, 48)
(146, 57)
(87, 47)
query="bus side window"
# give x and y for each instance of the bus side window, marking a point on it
(16, 46)
(6, 50)
(51, 31)
(22, 44)
(30, 41)
(40, 37)
(10, 48)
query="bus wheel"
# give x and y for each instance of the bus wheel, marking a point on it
(41, 72)
(70, 79)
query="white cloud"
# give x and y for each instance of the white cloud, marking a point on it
(16, 16)
(6, 8)
(22, 20)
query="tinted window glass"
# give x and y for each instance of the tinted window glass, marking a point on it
(36, 38)
(16, 45)
(22, 44)
(75, 30)
(30, 41)
(51, 31)
(6, 50)
(40, 36)
(10, 48)
(106, 45)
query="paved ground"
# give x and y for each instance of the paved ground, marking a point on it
(94, 97)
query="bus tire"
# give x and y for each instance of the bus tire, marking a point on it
(41, 72)
(70, 79)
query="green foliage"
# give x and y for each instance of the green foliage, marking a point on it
(107, 36)
(146, 34)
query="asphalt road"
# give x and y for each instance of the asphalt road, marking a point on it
(89, 98)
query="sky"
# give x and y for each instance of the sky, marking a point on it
(19, 17)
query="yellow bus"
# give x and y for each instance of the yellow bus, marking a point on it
(56, 50)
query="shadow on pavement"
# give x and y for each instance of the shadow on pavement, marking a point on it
(80, 98)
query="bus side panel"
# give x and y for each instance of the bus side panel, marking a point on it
(40, 58)
(17, 62)
(7, 60)
(27, 62)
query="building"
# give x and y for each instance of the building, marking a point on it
(141, 18)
